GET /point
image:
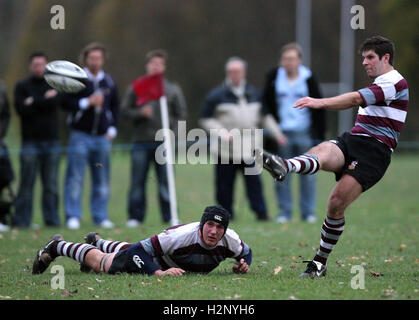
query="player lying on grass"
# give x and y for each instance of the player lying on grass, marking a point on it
(360, 158)
(194, 247)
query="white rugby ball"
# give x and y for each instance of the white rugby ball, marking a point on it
(65, 76)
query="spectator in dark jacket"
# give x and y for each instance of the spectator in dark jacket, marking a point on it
(285, 85)
(6, 170)
(93, 116)
(37, 105)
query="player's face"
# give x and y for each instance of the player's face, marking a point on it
(212, 232)
(374, 66)
(290, 60)
(95, 61)
(37, 66)
(156, 65)
(236, 72)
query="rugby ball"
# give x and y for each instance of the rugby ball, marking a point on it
(65, 76)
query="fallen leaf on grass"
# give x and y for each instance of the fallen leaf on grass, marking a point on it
(388, 261)
(27, 297)
(277, 270)
(402, 246)
(339, 264)
(376, 274)
(89, 288)
(292, 298)
(95, 296)
(302, 245)
(236, 296)
(98, 280)
(389, 293)
(5, 297)
(214, 286)
(159, 281)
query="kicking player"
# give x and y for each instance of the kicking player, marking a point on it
(194, 247)
(358, 158)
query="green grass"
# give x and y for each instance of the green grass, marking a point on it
(380, 226)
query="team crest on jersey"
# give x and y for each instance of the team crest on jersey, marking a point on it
(352, 165)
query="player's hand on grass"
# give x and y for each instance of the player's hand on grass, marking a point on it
(308, 102)
(170, 272)
(241, 267)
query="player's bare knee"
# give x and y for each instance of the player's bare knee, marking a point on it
(93, 259)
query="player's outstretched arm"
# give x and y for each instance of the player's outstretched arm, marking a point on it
(170, 272)
(341, 102)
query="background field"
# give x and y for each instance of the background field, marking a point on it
(380, 234)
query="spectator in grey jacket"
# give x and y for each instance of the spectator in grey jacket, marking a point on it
(147, 121)
(237, 105)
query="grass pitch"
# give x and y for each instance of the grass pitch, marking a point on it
(381, 236)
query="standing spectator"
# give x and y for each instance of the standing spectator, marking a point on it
(147, 121)
(37, 105)
(6, 170)
(93, 117)
(236, 105)
(285, 85)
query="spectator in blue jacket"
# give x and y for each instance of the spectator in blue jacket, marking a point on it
(302, 128)
(93, 117)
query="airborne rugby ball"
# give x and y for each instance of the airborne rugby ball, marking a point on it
(65, 76)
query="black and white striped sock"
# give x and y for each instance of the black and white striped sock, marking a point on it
(76, 251)
(331, 231)
(304, 164)
(109, 246)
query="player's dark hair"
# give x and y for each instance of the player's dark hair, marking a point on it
(380, 45)
(92, 47)
(37, 54)
(156, 53)
(217, 214)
